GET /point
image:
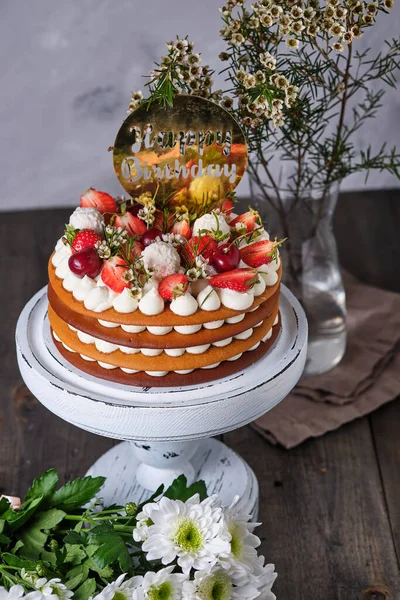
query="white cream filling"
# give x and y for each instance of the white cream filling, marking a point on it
(171, 352)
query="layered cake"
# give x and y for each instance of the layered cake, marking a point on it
(146, 296)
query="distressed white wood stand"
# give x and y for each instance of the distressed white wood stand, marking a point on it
(166, 431)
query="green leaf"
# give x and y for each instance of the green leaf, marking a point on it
(4, 505)
(74, 555)
(4, 539)
(15, 520)
(33, 537)
(73, 537)
(16, 561)
(77, 493)
(86, 590)
(76, 576)
(178, 490)
(112, 548)
(43, 486)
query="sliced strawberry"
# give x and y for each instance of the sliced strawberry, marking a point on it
(134, 248)
(163, 221)
(137, 249)
(250, 220)
(258, 253)
(182, 228)
(239, 280)
(113, 270)
(227, 206)
(200, 246)
(173, 286)
(133, 225)
(101, 200)
(86, 238)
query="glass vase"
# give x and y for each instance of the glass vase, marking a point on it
(311, 268)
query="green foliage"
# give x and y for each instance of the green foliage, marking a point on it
(76, 493)
(66, 533)
(179, 490)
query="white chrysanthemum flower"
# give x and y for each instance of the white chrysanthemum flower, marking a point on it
(51, 589)
(266, 577)
(193, 531)
(217, 584)
(242, 558)
(163, 585)
(14, 593)
(119, 588)
(143, 521)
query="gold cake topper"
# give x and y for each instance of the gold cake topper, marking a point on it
(189, 153)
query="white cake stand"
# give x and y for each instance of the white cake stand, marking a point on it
(166, 431)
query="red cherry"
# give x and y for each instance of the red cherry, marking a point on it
(150, 235)
(86, 262)
(226, 258)
(134, 208)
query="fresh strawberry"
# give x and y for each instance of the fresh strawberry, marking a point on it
(163, 221)
(135, 249)
(101, 200)
(200, 246)
(133, 225)
(250, 220)
(182, 228)
(113, 270)
(227, 206)
(259, 253)
(86, 238)
(239, 280)
(173, 286)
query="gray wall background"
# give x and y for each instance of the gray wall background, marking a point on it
(66, 73)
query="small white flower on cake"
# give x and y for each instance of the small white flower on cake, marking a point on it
(87, 218)
(161, 259)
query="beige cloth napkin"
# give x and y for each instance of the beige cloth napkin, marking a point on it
(367, 377)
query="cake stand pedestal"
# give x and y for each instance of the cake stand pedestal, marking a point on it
(166, 431)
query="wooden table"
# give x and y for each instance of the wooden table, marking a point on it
(330, 508)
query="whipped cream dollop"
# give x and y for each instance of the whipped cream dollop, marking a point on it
(151, 303)
(99, 298)
(211, 222)
(125, 302)
(197, 286)
(62, 252)
(259, 287)
(87, 218)
(208, 299)
(82, 289)
(70, 281)
(236, 300)
(269, 272)
(161, 259)
(184, 305)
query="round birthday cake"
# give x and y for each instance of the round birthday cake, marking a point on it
(171, 286)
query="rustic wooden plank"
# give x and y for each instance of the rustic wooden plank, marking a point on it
(385, 429)
(324, 517)
(32, 438)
